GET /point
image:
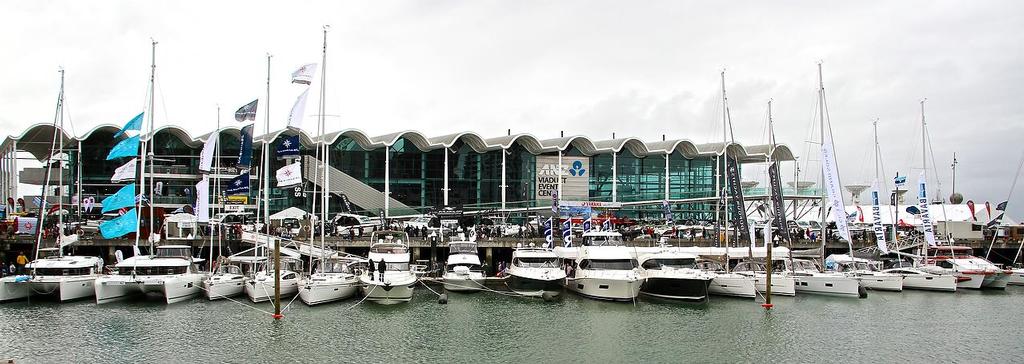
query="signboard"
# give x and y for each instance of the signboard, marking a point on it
(574, 175)
(236, 200)
(593, 204)
(234, 208)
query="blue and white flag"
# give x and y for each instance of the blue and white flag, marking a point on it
(922, 203)
(245, 147)
(238, 185)
(667, 212)
(588, 224)
(607, 225)
(548, 238)
(122, 225)
(247, 111)
(124, 197)
(126, 148)
(288, 147)
(133, 125)
(567, 233)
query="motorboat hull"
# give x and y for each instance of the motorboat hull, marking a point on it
(463, 282)
(732, 285)
(11, 289)
(830, 285)
(609, 289)
(969, 280)
(882, 282)
(1016, 277)
(684, 289)
(534, 287)
(317, 292)
(263, 291)
(997, 280)
(388, 294)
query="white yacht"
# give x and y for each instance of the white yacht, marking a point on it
(725, 283)
(535, 272)
(1016, 277)
(673, 275)
(333, 279)
(227, 281)
(65, 278)
(914, 278)
(171, 272)
(260, 288)
(604, 268)
(782, 283)
(463, 272)
(869, 272)
(972, 272)
(809, 278)
(398, 281)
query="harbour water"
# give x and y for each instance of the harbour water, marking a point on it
(967, 326)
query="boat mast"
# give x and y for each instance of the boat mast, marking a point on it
(768, 225)
(216, 134)
(220, 247)
(821, 120)
(266, 204)
(58, 132)
(325, 190)
(724, 163)
(152, 93)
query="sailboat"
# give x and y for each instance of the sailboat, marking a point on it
(66, 277)
(810, 277)
(724, 282)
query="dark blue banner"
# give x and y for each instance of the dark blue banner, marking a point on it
(245, 148)
(288, 147)
(238, 185)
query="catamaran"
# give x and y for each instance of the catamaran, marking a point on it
(170, 272)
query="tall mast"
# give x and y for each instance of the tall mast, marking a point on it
(326, 189)
(725, 162)
(924, 168)
(58, 132)
(216, 189)
(821, 119)
(767, 242)
(152, 93)
(266, 204)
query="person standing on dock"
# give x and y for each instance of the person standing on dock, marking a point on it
(371, 269)
(21, 260)
(380, 268)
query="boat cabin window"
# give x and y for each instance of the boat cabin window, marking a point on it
(804, 265)
(397, 266)
(389, 248)
(536, 262)
(602, 240)
(708, 265)
(229, 269)
(63, 271)
(462, 248)
(152, 271)
(749, 267)
(289, 276)
(608, 264)
(289, 264)
(944, 264)
(333, 267)
(677, 263)
(176, 252)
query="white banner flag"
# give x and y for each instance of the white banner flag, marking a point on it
(304, 74)
(767, 232)
(752, 231)
(295, 116)
(125, 172)
(206, 158)
(835, 194)
(876, 216)
(203, 200)
(289, 175)
(922, 203)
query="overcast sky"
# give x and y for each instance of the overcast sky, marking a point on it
(586, 67)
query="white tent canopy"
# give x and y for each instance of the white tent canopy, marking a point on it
(289, 213)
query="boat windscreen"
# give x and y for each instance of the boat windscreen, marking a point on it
(602, 240)
(538, 262)
(608, 264)
(462, 248)
(662, 263)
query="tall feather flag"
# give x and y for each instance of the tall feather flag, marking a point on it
(567, 233)
(122, 225)
(203, 200)
(206, 157)
(245, 147)
(588, 224)
(135, 124)
(126, 148)
(549, 240)
(606, 225)
(295, 116)
(304, 75)
(247, 111)
(124, 197)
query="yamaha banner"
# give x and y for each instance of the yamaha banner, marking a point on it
(779, 207)
(739, 217)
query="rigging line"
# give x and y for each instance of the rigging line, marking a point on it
(163, 101)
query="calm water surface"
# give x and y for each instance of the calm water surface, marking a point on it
(969, 326)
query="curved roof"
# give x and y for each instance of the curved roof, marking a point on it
(36, 140)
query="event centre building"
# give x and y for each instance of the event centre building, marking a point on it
(405, 173)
